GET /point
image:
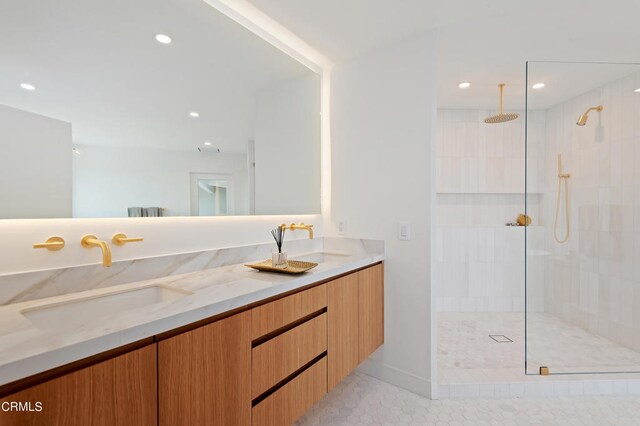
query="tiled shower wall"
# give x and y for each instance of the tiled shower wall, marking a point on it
(481, 269)
(480, 169)
(594, 279)
(479, 158)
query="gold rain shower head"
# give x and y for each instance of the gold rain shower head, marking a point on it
(502, 117)
(584, 117)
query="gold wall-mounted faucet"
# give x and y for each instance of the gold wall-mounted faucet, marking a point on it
(293, 227)
(91, 241)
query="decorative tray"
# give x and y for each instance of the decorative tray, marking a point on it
(293, 266)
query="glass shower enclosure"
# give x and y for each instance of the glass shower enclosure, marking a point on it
(582, 307)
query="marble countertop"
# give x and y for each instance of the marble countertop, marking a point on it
(26, 350)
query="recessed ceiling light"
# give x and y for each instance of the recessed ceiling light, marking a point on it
(28, 86)
(637, 90)
(163, 38)
(194, 114)
(207, 143)
(538, 86)
(464, 85)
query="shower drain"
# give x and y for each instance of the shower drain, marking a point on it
(500, 338)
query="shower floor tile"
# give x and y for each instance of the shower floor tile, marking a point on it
(466, 353)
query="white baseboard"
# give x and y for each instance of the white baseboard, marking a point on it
(396, 377)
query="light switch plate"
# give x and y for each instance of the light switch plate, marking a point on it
(404, 231)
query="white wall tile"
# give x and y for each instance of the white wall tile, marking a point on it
(475, 157)
(592, 280)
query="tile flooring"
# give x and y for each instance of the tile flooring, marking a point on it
(466, 352)
(363, 400)
(472, 365)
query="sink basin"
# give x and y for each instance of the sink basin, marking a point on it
(323, 257)
(75, 313)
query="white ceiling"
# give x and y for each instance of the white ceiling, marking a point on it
(482, 41)
(97, 65)
(342, 29)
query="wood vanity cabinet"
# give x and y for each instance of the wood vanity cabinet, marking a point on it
(204, 374)
(265, 365)
(370, 310)
(118, 391)
(356, 320)
(342, 311)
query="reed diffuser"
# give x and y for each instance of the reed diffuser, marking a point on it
(279, 258)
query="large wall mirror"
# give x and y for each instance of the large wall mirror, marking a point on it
(151, 108)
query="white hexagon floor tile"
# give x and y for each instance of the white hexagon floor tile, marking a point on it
(363, 400)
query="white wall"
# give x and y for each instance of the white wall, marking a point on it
(287, 146)
(108, 180)
(383, 133)
(35, 165)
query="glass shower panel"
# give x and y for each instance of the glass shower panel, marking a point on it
(583, 194)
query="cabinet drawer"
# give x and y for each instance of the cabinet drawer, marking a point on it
(292, 400)
(275, 359)
(274, 315)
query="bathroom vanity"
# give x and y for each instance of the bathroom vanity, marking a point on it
(191, 115)
(262, 359)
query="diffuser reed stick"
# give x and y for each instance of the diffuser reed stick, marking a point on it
(278, 235)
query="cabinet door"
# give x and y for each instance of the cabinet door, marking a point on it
(204, 374)
(370, 310)
(119, 391)
(342, 311)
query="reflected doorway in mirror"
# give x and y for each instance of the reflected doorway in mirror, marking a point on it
(211, 194)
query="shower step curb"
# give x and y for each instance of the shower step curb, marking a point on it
(538, 389)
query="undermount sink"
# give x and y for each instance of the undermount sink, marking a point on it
(321, 257)
(75, 313)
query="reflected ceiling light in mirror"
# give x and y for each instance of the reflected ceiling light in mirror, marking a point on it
(163, 38)
(538, 86)
(464, 85)
(27, 86)
(194, 114)
(637, 90)
(207, 144)
(76, 151)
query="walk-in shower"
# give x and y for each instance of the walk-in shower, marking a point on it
(582, 310)
(559, 297)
